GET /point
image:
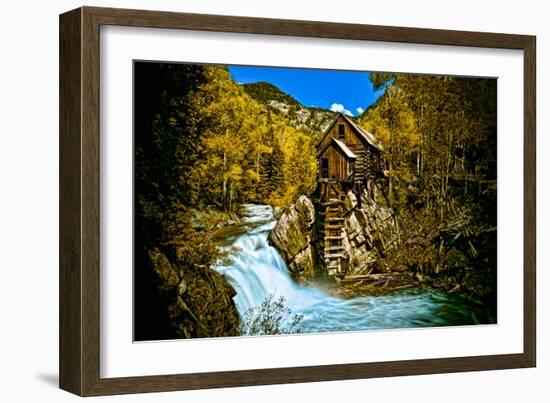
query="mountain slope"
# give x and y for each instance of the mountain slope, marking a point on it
(265, 92)
(309, 119)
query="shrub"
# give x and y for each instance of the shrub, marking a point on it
(271, 317)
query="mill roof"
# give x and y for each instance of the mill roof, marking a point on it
(361, 132)
(341, 146)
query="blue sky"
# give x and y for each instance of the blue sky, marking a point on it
(341, 91)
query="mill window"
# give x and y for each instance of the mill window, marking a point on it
(324, 167)
(341, 132)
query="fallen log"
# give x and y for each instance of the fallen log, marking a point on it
(376, 277)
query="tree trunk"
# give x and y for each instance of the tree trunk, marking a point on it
(448, 168)
(390, 182)
(224, 183)
(230, 194)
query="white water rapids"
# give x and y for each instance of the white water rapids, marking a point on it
(258, 271)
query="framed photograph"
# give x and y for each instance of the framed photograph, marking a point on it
(249, 201)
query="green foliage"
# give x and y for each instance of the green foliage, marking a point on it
(201, 144)
(247, 148)
(164, 133)
(379, 80)
(189, 247)
(394, 123)
(168, 249)
(439, 139)
(271, 317)
(439, 136)
(306, 119)
(456, 252)
(266, 92)
(201, 140)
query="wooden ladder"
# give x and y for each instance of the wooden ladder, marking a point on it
(332, 233)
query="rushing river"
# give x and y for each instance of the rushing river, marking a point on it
(258, 271)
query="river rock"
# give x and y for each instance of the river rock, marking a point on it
(278, 212)
(369, 232)
(167, 275)
(199, 300)
(292, 237)
(350, 202)
(302, 265)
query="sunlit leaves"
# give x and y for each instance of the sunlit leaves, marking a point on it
(250, 154)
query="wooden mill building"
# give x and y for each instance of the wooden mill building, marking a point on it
(349, 158)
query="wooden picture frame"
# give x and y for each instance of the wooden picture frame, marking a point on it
(79, 280)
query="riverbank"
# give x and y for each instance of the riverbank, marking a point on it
(385, 284)
(380, 254)
(180, 294)
(257, 272)
(213, 219)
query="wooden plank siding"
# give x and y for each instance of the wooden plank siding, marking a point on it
(340, 167)
(351, 137)
(368, 162)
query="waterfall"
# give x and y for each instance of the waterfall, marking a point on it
(257, 271)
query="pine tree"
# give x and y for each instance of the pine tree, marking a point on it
(277, 169)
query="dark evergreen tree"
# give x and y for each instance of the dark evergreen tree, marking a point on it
(277, 169)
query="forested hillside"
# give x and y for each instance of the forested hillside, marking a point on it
(439, 139)
(202, 144)
(250, 153)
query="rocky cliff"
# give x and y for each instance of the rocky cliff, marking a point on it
(369, 232)
(294, 236)
(199, 300)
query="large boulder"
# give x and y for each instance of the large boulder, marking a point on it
(370, 232)
(199, 300)
(292, 236)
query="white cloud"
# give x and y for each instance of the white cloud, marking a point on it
(340, 108)
(337, 107)
(360, 110)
